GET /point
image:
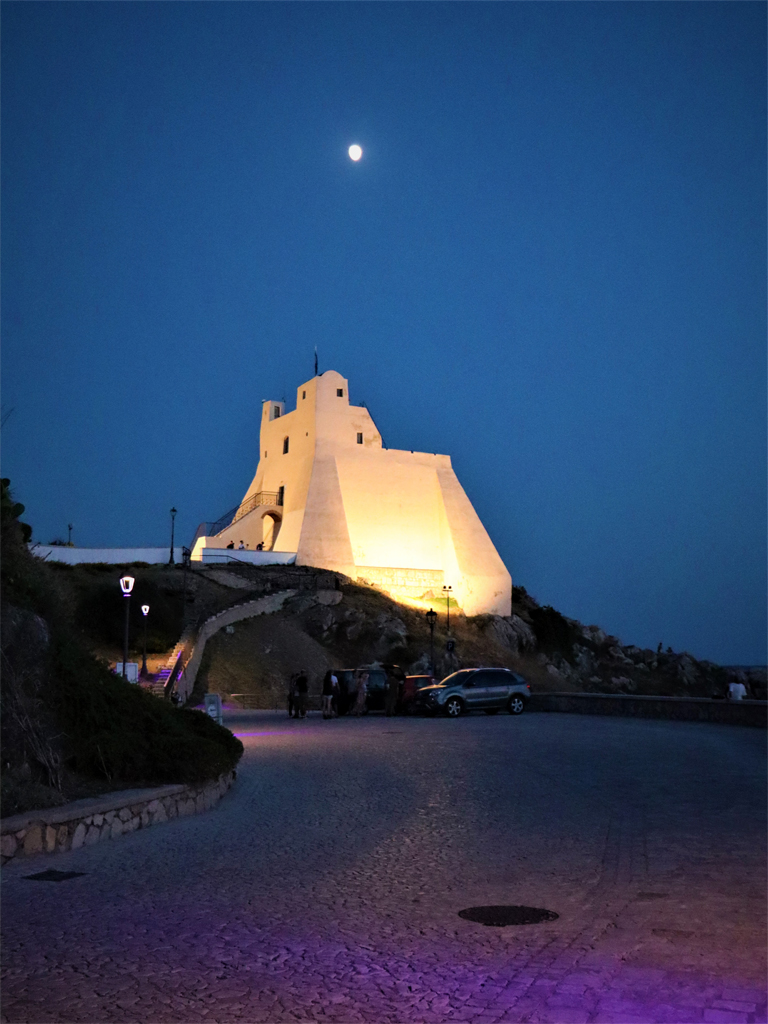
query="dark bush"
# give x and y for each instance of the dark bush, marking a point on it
(553, 631)
(74, 708)
(102, 612)
(118, 731)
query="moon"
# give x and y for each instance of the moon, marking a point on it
(355, 152)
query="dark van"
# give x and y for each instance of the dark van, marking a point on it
(377, 689)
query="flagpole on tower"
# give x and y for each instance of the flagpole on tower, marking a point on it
(315, 360)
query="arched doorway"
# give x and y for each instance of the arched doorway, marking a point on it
(270, 529)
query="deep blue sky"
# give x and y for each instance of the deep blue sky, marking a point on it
(550, 264)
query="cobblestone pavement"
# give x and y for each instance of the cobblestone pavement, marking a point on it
(325, 886)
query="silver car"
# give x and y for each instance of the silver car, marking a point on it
(470, 689)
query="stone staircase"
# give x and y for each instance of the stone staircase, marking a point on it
(162, 677)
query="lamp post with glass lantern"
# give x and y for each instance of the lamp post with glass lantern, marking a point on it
(145, 613)
(126, 585)
(185, 557)
(431, 617)
(171, 560)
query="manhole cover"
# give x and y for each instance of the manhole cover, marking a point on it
(52, 875)
(500, 917)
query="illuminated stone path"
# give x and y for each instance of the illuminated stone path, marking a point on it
(326, 885)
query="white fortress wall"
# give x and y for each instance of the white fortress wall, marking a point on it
(391, 504)
(325, 538)
(484, 584)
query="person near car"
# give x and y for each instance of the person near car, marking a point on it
(302, 686)
(335, 695)
(362, 691)
(328, 693)
(394, 677)
(291, 694)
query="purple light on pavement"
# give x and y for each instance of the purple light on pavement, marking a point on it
(269, 732)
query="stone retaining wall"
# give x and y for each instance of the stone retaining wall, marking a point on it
(247, 610)
(690, 709)
(93, 820)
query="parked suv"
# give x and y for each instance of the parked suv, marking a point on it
(486, 689)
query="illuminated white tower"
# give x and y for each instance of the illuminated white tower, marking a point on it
(326, 489)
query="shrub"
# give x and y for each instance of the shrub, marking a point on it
(553, 631)
(101, 726)
(102, 610)
(116, 730)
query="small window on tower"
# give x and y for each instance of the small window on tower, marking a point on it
(303, 394)
(359, 438)
(281, 495)
(285, 446)
(339, 392)
(277, 412)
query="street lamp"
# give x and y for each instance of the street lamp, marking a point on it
(185, 557)
(126, 585)
(69, 535)
(173, 519)
(447, 592)
(431, 617)
(145, 613)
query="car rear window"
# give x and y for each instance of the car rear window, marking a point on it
(458, 677)
(377, 680)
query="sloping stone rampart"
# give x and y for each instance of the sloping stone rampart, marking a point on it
(249, 609)
(84, 822)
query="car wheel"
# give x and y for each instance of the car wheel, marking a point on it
(491, 711)
(516, 705)
(454, 706)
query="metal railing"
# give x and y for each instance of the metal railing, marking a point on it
(231, 517)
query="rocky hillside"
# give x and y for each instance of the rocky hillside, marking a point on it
(341, 624)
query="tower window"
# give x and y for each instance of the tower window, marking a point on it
(359, 438)
(281, 495)
(285, 445)
(277, 412)
(339, 392)
(303, 394)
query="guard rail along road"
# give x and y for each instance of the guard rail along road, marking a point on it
(685, 709)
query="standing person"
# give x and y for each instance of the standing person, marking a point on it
(362, 691)
(302, 686)
(291, 691)
(335, 695)
(393, 689)
(328, 694)
(737, 690)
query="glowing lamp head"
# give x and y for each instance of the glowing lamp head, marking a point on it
(355, 152)
(145, 609)
(126, 585)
